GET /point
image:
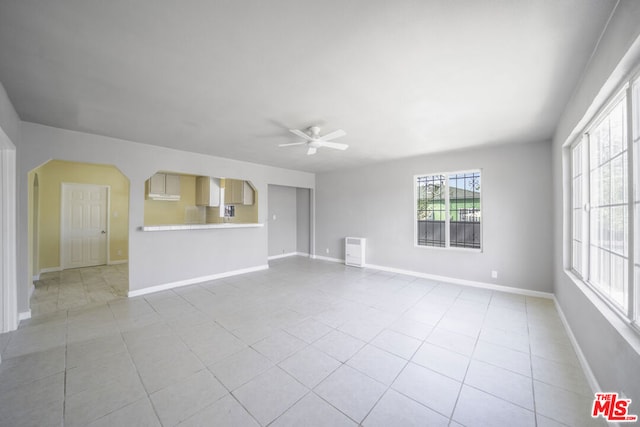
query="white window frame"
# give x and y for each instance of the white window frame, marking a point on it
(447, 245)
(629, 312)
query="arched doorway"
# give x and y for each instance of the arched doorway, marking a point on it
(64, 211)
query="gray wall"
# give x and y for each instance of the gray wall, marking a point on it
(376, 202)
(303, 220)
(9, 120)
(282, 229)
(611, 348)
(155, 258)
(9, 139)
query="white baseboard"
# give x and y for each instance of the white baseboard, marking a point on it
(50, 270)
(591, 378)
(24, 315)
(120, 261)
(464, 282)
(287, 255)
(326, 258)
(179, 283)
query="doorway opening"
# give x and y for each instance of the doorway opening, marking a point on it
(79, 235)
(289, 221)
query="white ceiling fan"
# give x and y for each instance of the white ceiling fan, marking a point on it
(314, 141)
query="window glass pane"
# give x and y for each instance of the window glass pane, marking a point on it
(431, 210)
(577, 192)
(464, 210)
(595, 185)
(605, 184)
(618, 290)
(618, 230)
(577, 225)
(608, 249)
(619, 179)
(576, 162)
(594, 150)
(617, 129)
(577, 257)
(604, 143)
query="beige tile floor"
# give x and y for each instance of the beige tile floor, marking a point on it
(77, 287)
(305, 343)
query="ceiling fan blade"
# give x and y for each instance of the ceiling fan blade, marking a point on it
(311, 150)
(301, 134)
(333, 135)
(290, 144)
(336, 145)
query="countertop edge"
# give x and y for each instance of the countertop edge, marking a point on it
(178, 227)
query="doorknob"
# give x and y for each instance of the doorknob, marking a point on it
(103, 232)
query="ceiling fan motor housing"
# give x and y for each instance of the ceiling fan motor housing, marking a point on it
(314, 131)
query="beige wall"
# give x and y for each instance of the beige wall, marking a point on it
(51, 175)
(166, 212)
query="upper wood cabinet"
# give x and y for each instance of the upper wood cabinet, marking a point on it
(163, 186)
(238, 192)
(233, 191)
(207, 191)
(248, 194)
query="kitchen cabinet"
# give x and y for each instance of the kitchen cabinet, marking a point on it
(164, 186)
(207, 191)
(238, 192)
(248, 194)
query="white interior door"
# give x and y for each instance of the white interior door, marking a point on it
(84, 225)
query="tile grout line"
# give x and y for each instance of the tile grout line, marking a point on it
(462, 382)
(230, 393)
(533, 389)
(64, 377)
(155, 412)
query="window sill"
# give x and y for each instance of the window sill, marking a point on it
(449, 249)
(627, 329)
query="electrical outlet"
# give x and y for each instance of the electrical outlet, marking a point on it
(494, 274)
(327, 250)
(119, 251)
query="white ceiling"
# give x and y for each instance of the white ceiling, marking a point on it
(229, 77)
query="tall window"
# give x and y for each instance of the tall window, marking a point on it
(448, 210)
(577, 155)
(634, 298)
(601, 204)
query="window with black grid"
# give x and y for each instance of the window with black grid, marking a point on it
(448, 212)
